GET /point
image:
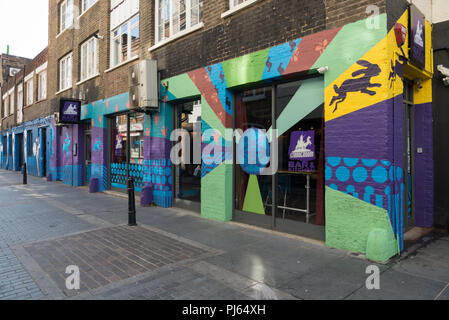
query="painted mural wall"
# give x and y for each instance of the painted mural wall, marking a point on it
(364, 130)
(33, 136)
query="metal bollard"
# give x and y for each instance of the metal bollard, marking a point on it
(25, 180)
(131, 204)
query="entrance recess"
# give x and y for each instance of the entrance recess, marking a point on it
(118, 158)
(87, 152)
(187, 178)
(291, 200)
(409, 209)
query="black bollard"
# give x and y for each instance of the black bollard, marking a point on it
(25, 180)
(131, 204)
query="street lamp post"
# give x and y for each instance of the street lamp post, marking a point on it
(130, 181)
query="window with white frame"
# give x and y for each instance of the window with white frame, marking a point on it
(89, 59)
(42, 86)
(65, 72)
(125, 41)
(235, 3)
(65, 14)
(176, 16)
(20, 104)
(29, 92)
(11, 103)
(5, 105)
(86, 4)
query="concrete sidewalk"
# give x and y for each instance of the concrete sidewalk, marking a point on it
(176, 254)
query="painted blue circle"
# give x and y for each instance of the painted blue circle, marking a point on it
(334, 161)
(253, 151)
(170, 180)
(164, 180)
(369, 163)
(158, 179)
(360, 174)
(343, 174)
(399, 173)
(168, 171)
(334, 186)
(351, 162)
(328, 173)
(161, 171)
(380, 174)
(392, 173)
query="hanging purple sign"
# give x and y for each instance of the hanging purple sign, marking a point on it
(417, 38)
(302, 151)
(70, 111)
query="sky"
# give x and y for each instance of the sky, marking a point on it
(24, 26)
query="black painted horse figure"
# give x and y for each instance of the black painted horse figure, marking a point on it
(361, 84)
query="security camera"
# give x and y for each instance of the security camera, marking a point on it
(418, 84)
(446, 81)
(99, 37)
(323, 70)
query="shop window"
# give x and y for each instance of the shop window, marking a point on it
(176, 16)
(125, 42)
(298, 195)
(119, 159)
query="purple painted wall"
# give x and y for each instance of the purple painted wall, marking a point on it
(424, 166)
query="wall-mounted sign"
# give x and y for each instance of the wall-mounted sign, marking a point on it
(417, 37)
(13, 71)
(302, 151)
(70, 111)
(401, 34)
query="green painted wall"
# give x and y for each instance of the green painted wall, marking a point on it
(349, 222)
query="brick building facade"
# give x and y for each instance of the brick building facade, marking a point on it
(331, 76)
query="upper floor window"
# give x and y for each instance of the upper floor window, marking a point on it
(89, 58)
(29, 92)
(65, 72)
(20, 103)
(176, 16)
(5, 105)
(125, 41)
(86, 4)
(11, 103)
(65, 14)
(42, 86)
(236, 5)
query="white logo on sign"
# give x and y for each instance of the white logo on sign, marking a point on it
(419, 40)
(71, 111)
(301, 150)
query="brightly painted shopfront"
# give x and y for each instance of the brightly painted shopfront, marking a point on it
(351, 114)
(369, 177)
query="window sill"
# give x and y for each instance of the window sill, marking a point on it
(176, 36)
(82, 14)
(60, 33)
(63, 90)
(87, 79)
(238, 8)
(121, 64)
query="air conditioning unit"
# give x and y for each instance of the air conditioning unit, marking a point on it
(144, 86)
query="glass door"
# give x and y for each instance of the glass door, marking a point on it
(87, 153)
(296, 203)
(409, 156)
(187, 186)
